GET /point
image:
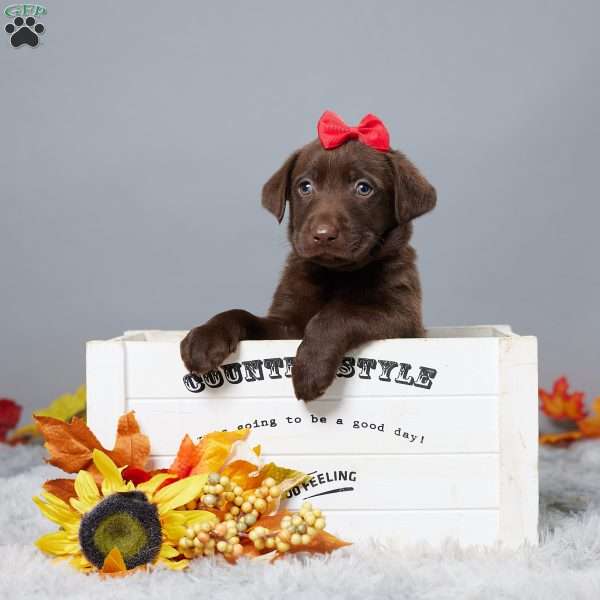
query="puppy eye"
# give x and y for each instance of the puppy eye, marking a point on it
(363, 188)
(305, 187)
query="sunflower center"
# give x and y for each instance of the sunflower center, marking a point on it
(124, 520)
(123, 531)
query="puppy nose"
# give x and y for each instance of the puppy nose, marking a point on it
(325, 233)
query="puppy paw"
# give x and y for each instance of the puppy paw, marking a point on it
(204, 348)
(312, 373)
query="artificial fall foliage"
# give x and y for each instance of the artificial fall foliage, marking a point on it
(563, 406)
(64, 407)
(10, 413)
(559, 404)
(117, 516)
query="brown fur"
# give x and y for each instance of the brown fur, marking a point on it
(351, 275)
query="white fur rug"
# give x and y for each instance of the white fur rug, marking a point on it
(565, 565)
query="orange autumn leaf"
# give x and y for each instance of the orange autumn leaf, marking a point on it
(560, 439)
(216, 448)
(114, 563)
(322, 543)
(62, 488)
(239, 472)
(559, 404)
(71, 444)
(132, 447)
(187, 457)
(208, 455)
(272, 521)
(590, 425)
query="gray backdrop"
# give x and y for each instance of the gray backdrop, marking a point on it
(136, 137)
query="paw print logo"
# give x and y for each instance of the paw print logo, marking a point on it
(24, 32)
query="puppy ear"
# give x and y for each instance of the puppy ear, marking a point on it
(414, 195)
(277, 190)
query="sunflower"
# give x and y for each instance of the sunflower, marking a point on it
(121, 526)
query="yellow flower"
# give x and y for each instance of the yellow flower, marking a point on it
(121, 526)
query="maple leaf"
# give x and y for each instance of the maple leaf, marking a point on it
(64, 408)
(560, 439)
(62, 488)
(323, 542)
(114, 563)
(208, 455)
(284, 477)
(71, 444)
(243, 473)
(590, 425)
(216, 448)
(10, 413)
(187, 457)
(559, 404)
(132, 447)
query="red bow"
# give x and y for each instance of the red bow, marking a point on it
(333, 132)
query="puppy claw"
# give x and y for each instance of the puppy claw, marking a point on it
(205, 348)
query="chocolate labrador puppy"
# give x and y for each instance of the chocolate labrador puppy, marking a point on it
(350, 276)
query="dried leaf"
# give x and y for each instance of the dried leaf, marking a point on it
(71, 444)
(114, 563)
(285, 478)
(10, 413)
(322, 543)
(187, 457)
(590, 426)
(559, 404)
(63, 488)
(209, 454)
(272, 521)
(132, 447)
(65, 407)
(239, 472)
(216, 448)
(560, 439)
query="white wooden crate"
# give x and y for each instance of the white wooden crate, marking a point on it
(423, 439)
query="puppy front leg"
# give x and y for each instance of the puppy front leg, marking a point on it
(205, 347)
(335, 330)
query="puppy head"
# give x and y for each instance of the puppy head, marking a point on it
(343, 201)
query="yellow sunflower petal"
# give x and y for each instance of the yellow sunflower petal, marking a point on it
(193, 517)
(174, 524)
(80, 506)
(59, 514)
(113, 480)
(81, 563)
(175, 565)
(86, 489)
(174, 532)
(179, 493)
(168, 551)
(54, 499)
(58, 544)
(149, 487)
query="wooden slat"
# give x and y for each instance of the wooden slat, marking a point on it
(411, 527)
(396, 481)
(519, 442)
(105, 379)
(462, 367)
(435, 424)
